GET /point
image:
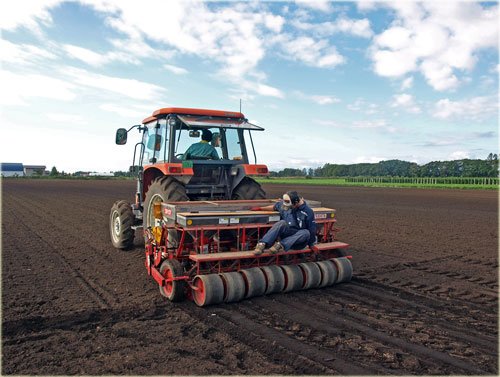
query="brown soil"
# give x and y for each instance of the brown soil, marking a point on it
(424, 298)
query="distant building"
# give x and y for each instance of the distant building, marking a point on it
(30, 170)
(101, 174)
(12, 169)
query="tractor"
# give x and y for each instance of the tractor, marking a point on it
(195, 211)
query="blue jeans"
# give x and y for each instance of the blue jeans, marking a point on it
(289, 237)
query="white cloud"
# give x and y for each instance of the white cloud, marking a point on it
(25, 86)
(232, 36)
(307, 50)
(379, 123)
(361, 105)
(66, 118)
(320, 5)
(366, 5)
(375, 124)
(458, 155)
(439, 76)
(324, 100)
(274, 23)
(174, 69)
(319, 99)
(393, 63)
(23, 54)
(407, 102)
(368, 159)
(360, 28)
(407, 83)
(125, 111)
(85, 55)
(330, 123)
(439, 39)
(127, 87)
(264, 90)
(395, 38)
(26, 14)
(96, 59)
(476, 108)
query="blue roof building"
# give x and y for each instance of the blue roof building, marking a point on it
(12, 169)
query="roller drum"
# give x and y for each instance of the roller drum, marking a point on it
(234, 286)
(312, 275)
(328, 273)
(294, 278)
(210, 289)
(255, 282)
(275, 279)
(344, 269)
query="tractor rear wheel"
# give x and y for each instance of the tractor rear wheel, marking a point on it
(162, 189)
(173, 290)
(248, 189)
(121, 220)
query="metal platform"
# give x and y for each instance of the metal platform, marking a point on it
(249, 254)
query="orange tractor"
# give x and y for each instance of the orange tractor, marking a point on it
(196, 217)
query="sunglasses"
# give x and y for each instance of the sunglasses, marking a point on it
(287, 201)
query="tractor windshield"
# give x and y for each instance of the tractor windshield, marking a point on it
(199, 142)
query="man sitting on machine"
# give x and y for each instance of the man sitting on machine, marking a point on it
(296, 229)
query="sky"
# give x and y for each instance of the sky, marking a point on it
(331, 82)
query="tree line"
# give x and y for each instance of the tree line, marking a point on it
(398, 168)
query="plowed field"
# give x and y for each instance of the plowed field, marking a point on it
(423, 300)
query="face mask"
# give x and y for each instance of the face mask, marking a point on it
(287, 204)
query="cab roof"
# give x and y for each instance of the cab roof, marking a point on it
(163, 112)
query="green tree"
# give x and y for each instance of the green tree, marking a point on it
(54, 172)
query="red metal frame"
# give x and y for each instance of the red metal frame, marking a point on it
(203, 250)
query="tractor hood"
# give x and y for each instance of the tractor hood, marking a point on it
(204, 121)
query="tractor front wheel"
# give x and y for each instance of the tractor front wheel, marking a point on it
(121, 220)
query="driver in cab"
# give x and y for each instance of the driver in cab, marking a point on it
(202, 150)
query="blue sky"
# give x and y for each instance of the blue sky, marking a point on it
(331, 82)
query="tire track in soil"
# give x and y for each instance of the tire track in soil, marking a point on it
(246, 325)
(96, 291)
(434, 266)
(320, 318)
(452, 288)
(476, 315)
(24, 332)
(400, 325)
(81, 321)
(431, 320)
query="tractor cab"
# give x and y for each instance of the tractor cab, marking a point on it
(202, 153)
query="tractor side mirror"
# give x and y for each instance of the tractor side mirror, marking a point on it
(121, 136)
